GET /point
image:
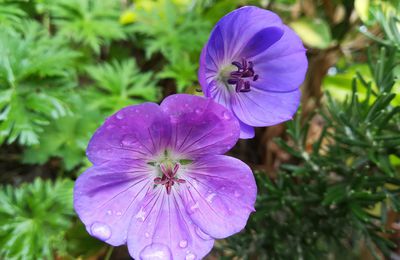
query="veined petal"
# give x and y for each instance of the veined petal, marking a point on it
(262, 108)
(246, 131)
(237, 28)
(162, 230)
(219, 195)
(134, 132)
(281, 67)
(200, 126)
(261, 41)
(107, 195)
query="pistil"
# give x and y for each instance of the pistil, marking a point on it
(168, 177)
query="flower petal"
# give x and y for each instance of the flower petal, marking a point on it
(281, 67)
(162, 230)
(219, 195)
(261, 41)
(106, 196)
(238, 27)
(262, 108)
(200, 126)
(134, 132)
(246, 131)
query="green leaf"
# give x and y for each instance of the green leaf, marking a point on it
(314, 33)
(35, 68)
(67, 138)
(121, 84)
(34, 218)
(92, 23)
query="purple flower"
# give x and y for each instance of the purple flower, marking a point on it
(160, 182)
(253, 64)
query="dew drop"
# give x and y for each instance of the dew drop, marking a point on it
(190, 256)
(128, 140)
(226, 115)
(210, 198)
(110, 127)
(198, 111)
(100, 230)
(183, 243)
(140, 216)
(118, 213)
(237, 194)
(174, 118)
(201, 234)
(192, 207)
(147, 235)
(120, 115)
(156, 252)
(109, 212)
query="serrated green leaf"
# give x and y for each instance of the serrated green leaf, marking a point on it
(33, 218)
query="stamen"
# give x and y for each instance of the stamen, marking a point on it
(169, 177)
(242, 77)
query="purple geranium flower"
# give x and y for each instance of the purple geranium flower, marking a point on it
(253, 64)
(160, 182)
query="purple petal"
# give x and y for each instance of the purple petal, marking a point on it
(262, 108)
(281, 67)
(246, 131)
(200, 126)
(261, 41)
(134, 132)
(220, 194)
(107, 195)
(238, 27)
(215, 51)
(162, 229)
(219, 93)
(202, 72)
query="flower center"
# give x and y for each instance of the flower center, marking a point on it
(242, 77)
(168, 178)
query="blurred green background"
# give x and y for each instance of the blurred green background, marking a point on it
(328, 181)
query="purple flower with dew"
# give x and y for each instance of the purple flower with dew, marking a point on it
(253, 64)
(160, 182)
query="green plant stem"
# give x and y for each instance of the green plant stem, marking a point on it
(109, 253)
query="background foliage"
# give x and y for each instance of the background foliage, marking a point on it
(328, 181)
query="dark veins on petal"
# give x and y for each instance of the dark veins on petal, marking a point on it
(243, 75)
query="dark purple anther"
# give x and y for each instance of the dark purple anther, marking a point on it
(245, 70)
(168, 178)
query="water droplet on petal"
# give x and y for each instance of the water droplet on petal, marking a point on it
(174, 118)
(201, 234)
(110, 127)
(156, 252)
(147, 235)
(190, 256)
(120, 115)
(226, 115)
(128, 140)
(140, 216)
(118, 213)
(100, 230)
(192, 207)
(183, 243)
(237, 194)
(198, 111)
(210, 197)
(109, 212)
